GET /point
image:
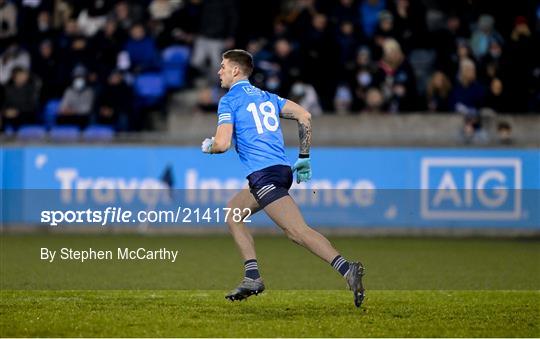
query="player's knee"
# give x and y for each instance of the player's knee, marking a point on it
(231, 222)
(296, 235)
(231, 206)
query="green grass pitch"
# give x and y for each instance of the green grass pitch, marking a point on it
(417, 287)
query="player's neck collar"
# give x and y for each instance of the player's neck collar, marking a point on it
(243, 81)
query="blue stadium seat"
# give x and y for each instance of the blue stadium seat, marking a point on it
(51, 111)
(175, 60)
(65, 133)
(9, 131)
(149, 88)
(98, 133)
(176, 54)
(174, 77)
(31, 133)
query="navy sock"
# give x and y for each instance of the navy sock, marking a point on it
(341, 265)
(252, 269)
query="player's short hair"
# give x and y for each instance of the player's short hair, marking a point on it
(242, 58)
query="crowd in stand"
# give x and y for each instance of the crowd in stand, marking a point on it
(342, 56)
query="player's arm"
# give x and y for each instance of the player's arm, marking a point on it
(222, 140)
(219, 143)
(292, 110)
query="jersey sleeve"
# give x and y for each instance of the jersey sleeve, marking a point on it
(280, 102)
(225, 111)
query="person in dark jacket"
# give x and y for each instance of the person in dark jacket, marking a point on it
(114, 103)
(21, 100)
(218, 23)
(468, 94)
(46, 65)
(141, 47)
(395, 77)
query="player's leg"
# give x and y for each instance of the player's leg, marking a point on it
(242, 237)
(285, 213)
(287, 216)
(252, 282)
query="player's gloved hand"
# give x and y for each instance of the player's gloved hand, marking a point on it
(303, 168)
(206, 145)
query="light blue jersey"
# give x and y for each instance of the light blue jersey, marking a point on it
(257, 132)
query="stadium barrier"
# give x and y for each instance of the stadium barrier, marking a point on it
(411, 129)
(405, 188)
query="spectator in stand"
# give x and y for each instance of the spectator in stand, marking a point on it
(142, 50)
(107, 43)
(345, 11)
(127, 14)
(374, 101)
(363, 77)
(182, 25)
(318, 48)
(496, 97)
(21, 104)
(27, 17)
(462, 52)
(78, 54)
(62, 12)
(504, 133)
(491, 63)
(161, 10)
(347, 43)
(70, 31)
(257, 48)
(77, 102)
(45, 65)
(8, 21)
(343, 100)
(261, 56)
(410, 24)
(13, 57)
(369, 15)
(473, 132)
(115, 102)
(468, 94)
(44, 31)
(93, 16)
(520, 60)
(305, 95)
(445, 42)
(484, 33)
(218, 24)
(299, 17)
(535, 79)
(396, 79)
(438, 93)
(280, 30)
(385, 28)
(287, 63)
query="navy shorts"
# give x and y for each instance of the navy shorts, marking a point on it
(270, 183)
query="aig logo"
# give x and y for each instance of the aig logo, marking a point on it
(471, 188)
